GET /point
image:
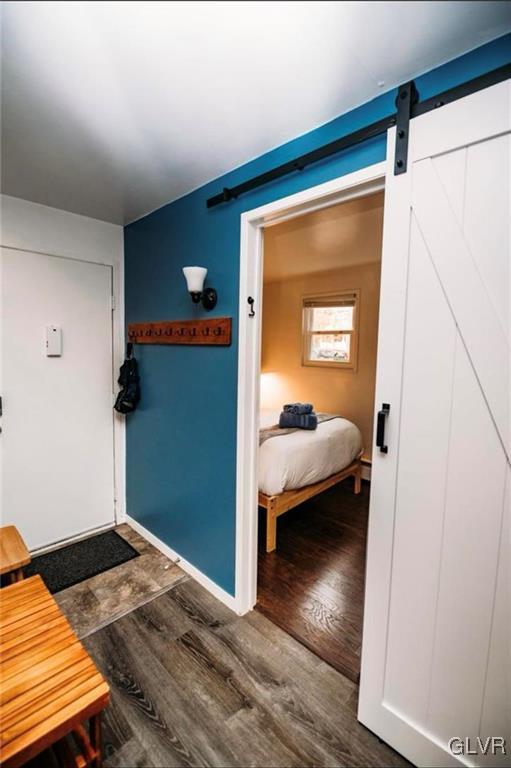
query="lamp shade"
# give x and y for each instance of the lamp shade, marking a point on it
(195, 277)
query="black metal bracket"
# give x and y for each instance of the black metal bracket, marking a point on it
(209, 298)
(251, 302)
(407, 96)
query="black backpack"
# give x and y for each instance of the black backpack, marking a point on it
(129, 381)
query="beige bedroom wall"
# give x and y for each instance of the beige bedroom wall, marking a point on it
(284, 379)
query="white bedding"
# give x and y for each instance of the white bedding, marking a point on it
(292, 461)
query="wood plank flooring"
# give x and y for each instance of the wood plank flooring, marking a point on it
(312, 586)
(96, 602)
(192, 684)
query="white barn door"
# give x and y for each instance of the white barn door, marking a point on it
(436, 659)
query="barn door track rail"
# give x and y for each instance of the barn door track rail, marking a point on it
(408, 106)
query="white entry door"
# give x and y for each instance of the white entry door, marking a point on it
(57, 423)
(436, 657)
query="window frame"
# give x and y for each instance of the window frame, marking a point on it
(307, 333)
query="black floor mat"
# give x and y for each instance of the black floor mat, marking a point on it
(79, 561)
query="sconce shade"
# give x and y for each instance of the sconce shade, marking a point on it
(195, 277)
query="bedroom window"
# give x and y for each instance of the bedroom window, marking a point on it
(330, 330)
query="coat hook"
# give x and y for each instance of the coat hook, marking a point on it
(251, 302)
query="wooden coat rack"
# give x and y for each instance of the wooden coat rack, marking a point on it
(215, 331)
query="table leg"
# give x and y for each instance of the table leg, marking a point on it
(95, 739)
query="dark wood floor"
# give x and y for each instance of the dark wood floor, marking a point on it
(312, 586)
(194, 684)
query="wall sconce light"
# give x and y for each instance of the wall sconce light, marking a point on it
(195, 277)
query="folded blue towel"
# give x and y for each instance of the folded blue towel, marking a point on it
(298, 420)
(299, 408)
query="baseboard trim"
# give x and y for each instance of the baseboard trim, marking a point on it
(366, 468)
(187, 567)
(72, 539)
(366, 472)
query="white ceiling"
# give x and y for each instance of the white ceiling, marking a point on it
(111, 109)
(344, 235)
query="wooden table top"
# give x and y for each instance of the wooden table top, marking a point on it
(13, 552)
(49, 683)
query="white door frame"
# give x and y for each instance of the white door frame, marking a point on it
(118, 354)
(352, 185)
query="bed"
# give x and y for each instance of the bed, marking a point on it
(295, 467)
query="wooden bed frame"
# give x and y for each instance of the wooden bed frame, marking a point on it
(282, 502)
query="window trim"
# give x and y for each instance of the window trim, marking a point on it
(306, 332)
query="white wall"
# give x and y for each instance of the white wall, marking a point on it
(32, 227)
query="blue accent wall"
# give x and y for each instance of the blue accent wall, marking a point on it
(181, 442)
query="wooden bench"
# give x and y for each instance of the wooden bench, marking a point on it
(50, 686)
(14, 555)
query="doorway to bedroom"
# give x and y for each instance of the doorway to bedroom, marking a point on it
(320, 305)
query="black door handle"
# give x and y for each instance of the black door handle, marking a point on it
(380, 428)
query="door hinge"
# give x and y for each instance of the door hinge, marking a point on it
(407, 96)
(112, 297)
